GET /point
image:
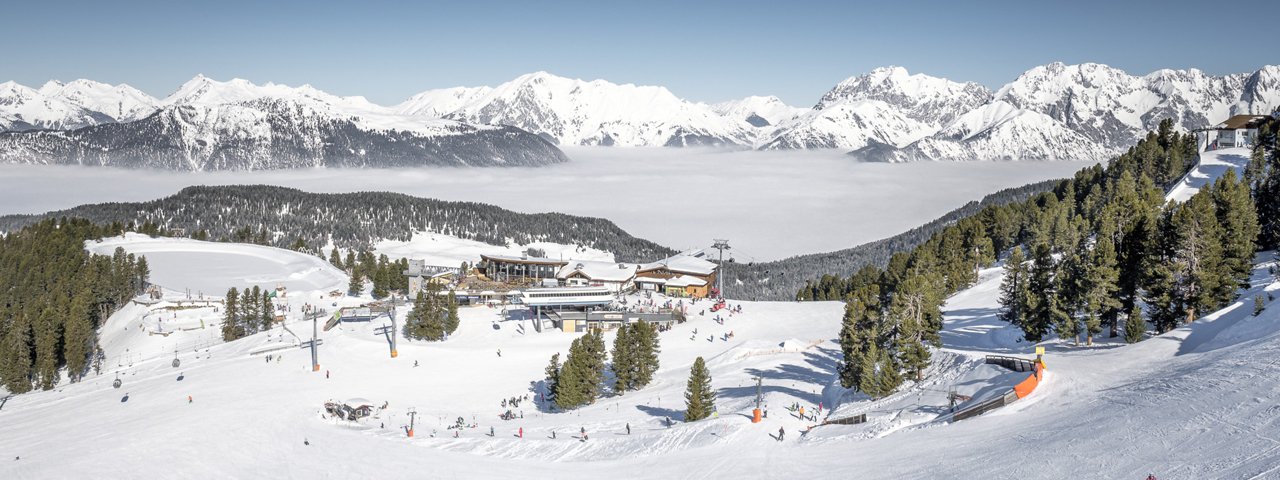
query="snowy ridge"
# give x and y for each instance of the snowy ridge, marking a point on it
(760, 112)
(578, 112)
(848, 124)
(909, 107)
(1089, 112)
(1082, 112)
(238, 125)
(25, 108)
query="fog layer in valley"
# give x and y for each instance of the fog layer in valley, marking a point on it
(768, 204)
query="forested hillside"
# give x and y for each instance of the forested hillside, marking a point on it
(287, 217)
(54, 297)
(1103, 253)
(779, 280)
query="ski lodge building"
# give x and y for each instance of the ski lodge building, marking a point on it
(1237, 131)
(506, 268)
(681, 275)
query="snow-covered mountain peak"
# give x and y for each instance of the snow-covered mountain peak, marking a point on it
(759, 111)
(895, 84)
(580, 112)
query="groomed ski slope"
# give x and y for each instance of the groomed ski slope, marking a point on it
(1198, 402)
(1213, 165)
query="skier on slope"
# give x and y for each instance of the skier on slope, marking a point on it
(781, 433)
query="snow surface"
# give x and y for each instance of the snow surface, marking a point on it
(1197, 402)
(1213, 164)
(213, 267)
(758, 200)
(449, 251)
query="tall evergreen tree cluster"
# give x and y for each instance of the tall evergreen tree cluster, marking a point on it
(246, 312)
(434, 315)
(55, 295)
(635, 356)
(384, 274)
(1123, 248)
(1263, 177)
(1081, 259)
(578, 381)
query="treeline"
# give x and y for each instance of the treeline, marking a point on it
(385, 274)
(893, 315)
(286, 217)
(247, 312)
(580, 379)
(55, 295)
(798, 277)
(434, 316)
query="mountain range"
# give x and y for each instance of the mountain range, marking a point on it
(1051, 112)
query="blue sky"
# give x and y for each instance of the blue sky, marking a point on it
(704, 51)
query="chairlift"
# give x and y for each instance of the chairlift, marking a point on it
(176, 362)
(116, 383)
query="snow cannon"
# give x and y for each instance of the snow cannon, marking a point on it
(394, 354)
(755, 415)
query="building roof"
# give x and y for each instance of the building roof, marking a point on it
(685, 281)
(524, 259)
(682, 263)
(1241, 121)
(599, 271)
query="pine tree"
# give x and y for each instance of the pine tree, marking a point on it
(350, 263)
(230, 315)
(335, 259)
(413, 321)
(868, 372)
(356, 286)
(648, 346)
(595, 359)
(1046, 309)
(143, 274)
(1014, 295)
(1238, 220)
(553, 378)
(1135, 327)
(451, 320)
(268, 311)
(48, 348)
(1197, 256)
(699, 396)
(887, 377)
(252, 306)
(914, 310)
(582, 372)
(623, 359)
(79, 335)
(16, 370)
(1101, 287)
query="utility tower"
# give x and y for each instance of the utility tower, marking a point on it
(315, 342)
(721, 245)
